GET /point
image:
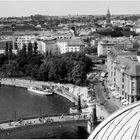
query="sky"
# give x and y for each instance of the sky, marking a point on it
(45, 7)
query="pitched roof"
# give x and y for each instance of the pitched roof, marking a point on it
(75, 41)
(132, 66)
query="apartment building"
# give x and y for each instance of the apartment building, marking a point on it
(74, 44)
(124, 73)
(105, 45)
(20, 40)
(3, 45)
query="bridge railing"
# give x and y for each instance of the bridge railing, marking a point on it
(44, 120)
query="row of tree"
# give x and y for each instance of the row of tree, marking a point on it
(69, 67)
(117, 32)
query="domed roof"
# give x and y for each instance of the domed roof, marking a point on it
(123, 124)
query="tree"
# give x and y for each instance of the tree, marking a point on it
(10, 68)
(79, 73)
(28, 68)
(22, 57)
(43, 72)
(35, 48)
(24, 50)
(34, 71)
(2, 59)
(52, 64)
(30, 49)
(10, 50)
(6, 49)
(90, 50)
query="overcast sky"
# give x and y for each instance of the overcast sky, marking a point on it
(27, 8)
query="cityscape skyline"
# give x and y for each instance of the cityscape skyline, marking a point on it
(27, 8)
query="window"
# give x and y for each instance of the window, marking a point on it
(122, 79)
(138, 86)
(132, 99)
(122, 86)
(132, 86)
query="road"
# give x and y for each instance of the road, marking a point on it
(107, 103)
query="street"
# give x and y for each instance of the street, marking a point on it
(101, 98)
(108, 105)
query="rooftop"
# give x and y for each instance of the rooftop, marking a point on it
(74, 41)
(131, 63)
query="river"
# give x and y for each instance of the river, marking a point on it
(18, 102)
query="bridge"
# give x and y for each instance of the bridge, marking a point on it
(44, 120)
(24, 126)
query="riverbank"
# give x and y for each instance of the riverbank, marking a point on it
(68, 91)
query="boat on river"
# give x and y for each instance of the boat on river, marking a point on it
(40, 91)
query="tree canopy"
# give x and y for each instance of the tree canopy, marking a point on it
(67, 68)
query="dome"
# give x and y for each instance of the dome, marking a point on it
(123, 124)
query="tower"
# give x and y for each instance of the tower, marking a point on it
(108, 18)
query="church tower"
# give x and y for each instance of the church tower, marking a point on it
(108, 18)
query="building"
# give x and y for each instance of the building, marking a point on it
(105, 45)
(123, 124)
(20, 40)
(42, 47)
(52, 47)
(74, 44)
(48, 46)
(3, 45)
(108, 19)
(123, 68)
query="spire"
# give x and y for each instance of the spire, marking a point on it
(108, 17)
(108, 12)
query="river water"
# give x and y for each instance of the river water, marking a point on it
(18, 102)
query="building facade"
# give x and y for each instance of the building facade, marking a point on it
(74, 44)
(104, 46)
(124, 73)
(3, 45)
(20, 40)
